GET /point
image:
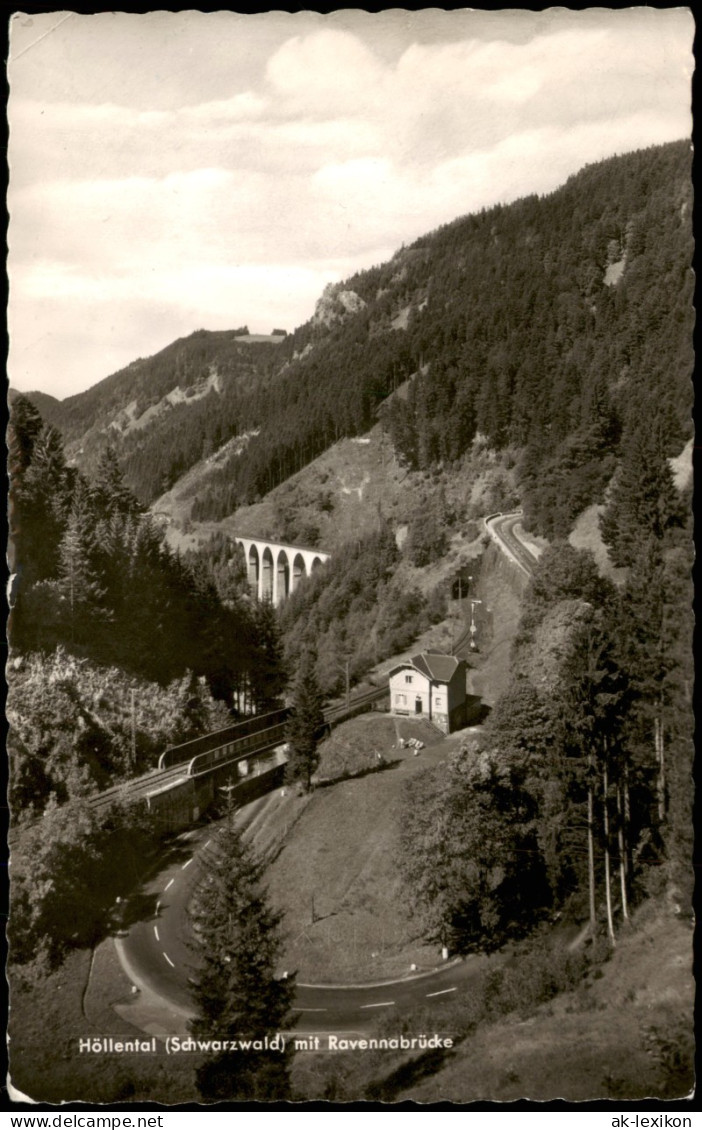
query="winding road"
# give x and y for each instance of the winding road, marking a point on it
(158, 952)
(158, 949)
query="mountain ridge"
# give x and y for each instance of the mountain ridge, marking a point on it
(533, 324)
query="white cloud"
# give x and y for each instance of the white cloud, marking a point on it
(326, 73)
(516, 86)
(246, 106)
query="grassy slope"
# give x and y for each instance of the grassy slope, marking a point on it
(586, 535)
(340, 850)
(48, 1018)
(625, 1035)
(359, 476)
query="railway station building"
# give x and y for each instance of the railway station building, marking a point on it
(431, 685)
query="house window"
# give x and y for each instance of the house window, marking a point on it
(408, 678)
(400, 699)
(438, 701)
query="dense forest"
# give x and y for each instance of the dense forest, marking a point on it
(357, 610)
(119, 648)
(94, 578)
(538, 325)
(577, 795)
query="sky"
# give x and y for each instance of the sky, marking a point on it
(179, 171)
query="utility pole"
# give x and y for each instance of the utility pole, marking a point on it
(473, 627)
(227, 789)
(344, 664)
(133, 764)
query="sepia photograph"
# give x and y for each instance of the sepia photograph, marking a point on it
(350, 462)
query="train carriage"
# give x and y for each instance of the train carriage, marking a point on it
(223, 740)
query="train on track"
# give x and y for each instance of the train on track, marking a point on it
(260, 732)
(244, 749)
(237, 751)
(228, 742)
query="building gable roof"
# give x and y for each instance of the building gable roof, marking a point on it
(434, 665)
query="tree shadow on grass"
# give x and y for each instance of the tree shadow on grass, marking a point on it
(407, 1075)
(381, 767)
(480, 715)
(136, 904)
(141, 906)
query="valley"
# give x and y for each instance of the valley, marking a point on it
(486, 441)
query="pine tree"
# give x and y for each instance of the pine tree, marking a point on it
(40, 490)
(594, 700)
(266, 668)
(427, 537)
(643, 502)
(238, 994)
(305, 725)
(79, 582)
(110, 492)
(25, 427)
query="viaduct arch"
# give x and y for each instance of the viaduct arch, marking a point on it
(275, 570)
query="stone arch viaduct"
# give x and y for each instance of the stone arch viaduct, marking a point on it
(275, 570)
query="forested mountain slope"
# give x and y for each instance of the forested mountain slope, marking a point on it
(550, 326)
(164, 413)
(539, 325)
(92, 575)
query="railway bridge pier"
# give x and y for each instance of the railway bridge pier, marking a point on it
(275, 570)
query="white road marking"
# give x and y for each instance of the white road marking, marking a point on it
(311, 1010)
(169, 884)
(156, 933)
(441, 992)
(208, 843)
(171, 963)
(380, 1004)
(186, 865)
(158, 906)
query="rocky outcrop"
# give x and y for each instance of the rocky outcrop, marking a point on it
(336, 304)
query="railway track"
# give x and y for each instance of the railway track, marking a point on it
(334, 714)
(262, 734)
(232, 751)
(500, 527)
(139, 787)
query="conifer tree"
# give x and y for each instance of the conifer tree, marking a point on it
(267, 667)
(643, 502)
(305, 725)
(79, 582)
(238, 994)
(594, 698)
(25, 427)
(110, 492)
(40, 490)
